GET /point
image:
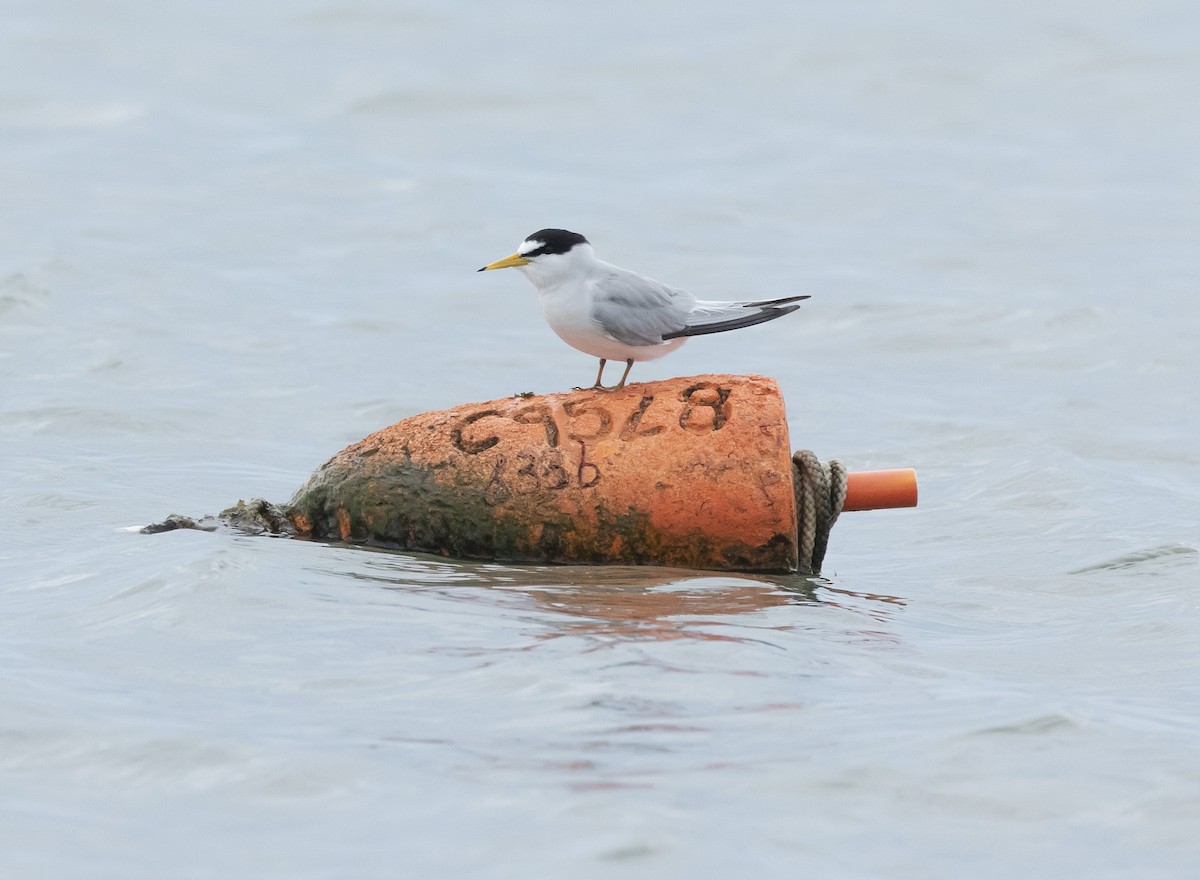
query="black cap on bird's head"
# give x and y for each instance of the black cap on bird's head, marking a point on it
(540, 244)
(550, 241)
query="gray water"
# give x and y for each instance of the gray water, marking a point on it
(236, 237)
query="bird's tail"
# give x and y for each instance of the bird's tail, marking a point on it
(717, 317)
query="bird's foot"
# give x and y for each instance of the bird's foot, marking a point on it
(600, 377)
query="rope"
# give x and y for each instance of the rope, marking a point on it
(820, 494)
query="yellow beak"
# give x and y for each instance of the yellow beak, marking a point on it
(507, 262)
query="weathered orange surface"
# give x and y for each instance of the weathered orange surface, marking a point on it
(693, 472)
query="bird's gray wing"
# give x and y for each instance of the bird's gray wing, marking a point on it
(637, 310)
(717, 317)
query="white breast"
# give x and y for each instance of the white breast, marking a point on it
(568, 311)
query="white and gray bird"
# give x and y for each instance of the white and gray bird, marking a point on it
(614, 314)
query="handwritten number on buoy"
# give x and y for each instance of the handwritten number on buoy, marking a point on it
(587, 467)
(539, 414)
(630, 430)
(555, 474)
(704, 395)
(546, 470)
(588, 420)
(465, 444)
(497, 491)
(577, 411)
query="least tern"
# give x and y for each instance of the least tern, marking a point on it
(614, 314)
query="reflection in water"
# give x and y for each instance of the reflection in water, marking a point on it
(879, 612)
(661, 610)
(622, 602)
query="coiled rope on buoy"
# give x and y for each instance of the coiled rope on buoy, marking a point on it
(820, 495)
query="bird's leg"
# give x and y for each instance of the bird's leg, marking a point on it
(597, 386)
(624, 376)
(600, 375)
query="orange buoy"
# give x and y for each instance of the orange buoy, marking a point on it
(693, 472)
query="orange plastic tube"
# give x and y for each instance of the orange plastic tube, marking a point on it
(877, 490)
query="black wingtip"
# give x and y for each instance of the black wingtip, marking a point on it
(779, 302)
(484, 269)
(760, 317)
